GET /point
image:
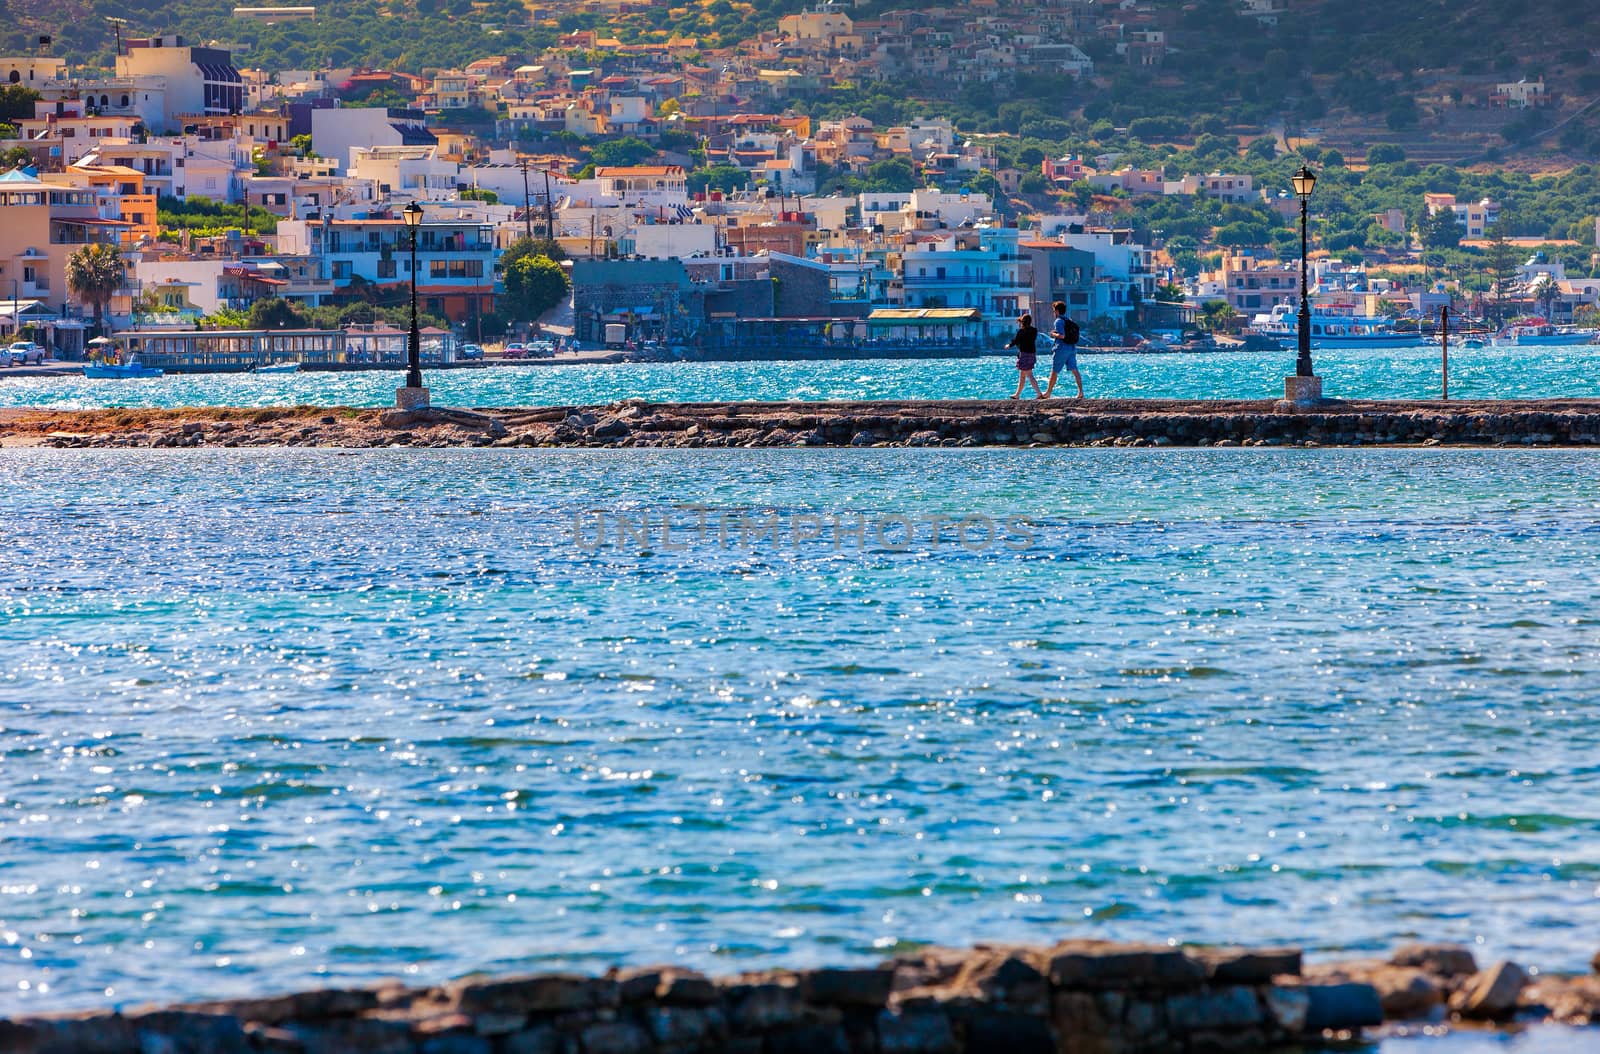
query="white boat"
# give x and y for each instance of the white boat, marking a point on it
(1329, 330)
(1543, 333)
(278, 367)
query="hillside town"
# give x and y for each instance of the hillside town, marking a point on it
(681, 195)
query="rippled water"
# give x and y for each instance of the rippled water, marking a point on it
(275, 718)
(1488, 373)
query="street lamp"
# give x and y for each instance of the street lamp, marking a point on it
(413, 395)
(1304, 181)
(1305, 387)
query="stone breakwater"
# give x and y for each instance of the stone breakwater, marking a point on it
(1077, 997)
(859, 424)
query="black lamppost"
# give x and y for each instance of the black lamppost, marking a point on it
(413, 218)
(1304, 180)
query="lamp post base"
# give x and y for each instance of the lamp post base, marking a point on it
(1302, 391)
(411, 398)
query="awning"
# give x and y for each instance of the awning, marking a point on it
(924, 316)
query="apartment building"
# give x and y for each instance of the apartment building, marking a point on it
(455, 257)
(45, 223)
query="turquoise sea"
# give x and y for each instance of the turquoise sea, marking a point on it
(1367, 373)
(273, 719)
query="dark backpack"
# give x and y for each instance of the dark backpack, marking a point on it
(1071, 330)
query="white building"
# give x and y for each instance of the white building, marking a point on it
(194, 81)
(335, 133)
(177, 166)
(33, 71)
(642, 186)
(980, 268)
(455, 257)
(405, 173)
(669, 241)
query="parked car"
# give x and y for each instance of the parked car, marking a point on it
(5, 356)
(469, 352)
(24, 352)
(515, 350)
(542, 349)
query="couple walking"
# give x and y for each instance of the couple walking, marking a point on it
(1064, 337)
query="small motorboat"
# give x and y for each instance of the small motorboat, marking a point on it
(120, 370)
(277, 367)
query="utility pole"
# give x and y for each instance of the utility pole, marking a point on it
(549, 219)
(527, 203)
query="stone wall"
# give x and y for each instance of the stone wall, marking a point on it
(966, 423)
(1077, 997)
(1058, 423)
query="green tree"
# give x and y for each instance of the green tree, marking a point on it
(275, 313)
(726, 178)
(629, 150)
(895, 174)
(1440, 230)
(531, 247)
(1385, 154)
(94, 273)
(1500, 260)
(16, 102)
(534, 285)
(1218, 316)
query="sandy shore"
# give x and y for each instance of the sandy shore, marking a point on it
(954, 423)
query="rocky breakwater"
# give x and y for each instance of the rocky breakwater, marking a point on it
(1077, 997)
(1121, 423)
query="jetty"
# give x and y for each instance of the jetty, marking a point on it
(954, 423)
(1074, 997)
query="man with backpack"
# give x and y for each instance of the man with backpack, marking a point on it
(1064, 333)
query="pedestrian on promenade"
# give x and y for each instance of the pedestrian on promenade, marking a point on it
(1064, 335)
(1026, 343)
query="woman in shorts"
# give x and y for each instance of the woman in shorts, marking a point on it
(1026, 343)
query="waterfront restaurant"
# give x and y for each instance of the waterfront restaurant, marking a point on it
(233, 350)
(927, 327)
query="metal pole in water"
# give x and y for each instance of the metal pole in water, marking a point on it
(1444, 347)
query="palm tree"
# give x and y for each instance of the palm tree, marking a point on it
(94, 274)
(1544, 291)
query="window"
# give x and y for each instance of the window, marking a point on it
(341, 268)
(386, 269)
(438, 268)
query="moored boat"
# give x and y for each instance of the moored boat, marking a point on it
(1542, 333)
(1331, 330)
(277, 367)
(120, 371)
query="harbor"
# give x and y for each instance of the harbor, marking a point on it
(402, 714)
(1407, 374)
